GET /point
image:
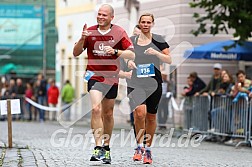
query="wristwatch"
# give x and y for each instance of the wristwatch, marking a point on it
(116, 51)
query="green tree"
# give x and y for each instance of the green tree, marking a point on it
(224, 15)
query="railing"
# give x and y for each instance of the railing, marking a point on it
(219, 115)
(196, 113)
(166, 113)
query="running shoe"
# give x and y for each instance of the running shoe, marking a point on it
(98, 154)
(138, 154)
(107, 157)
(147, 157)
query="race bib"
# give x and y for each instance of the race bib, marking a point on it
(145, 70)
(88, 75)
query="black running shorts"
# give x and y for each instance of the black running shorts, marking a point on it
(110, 91)
(150, 96)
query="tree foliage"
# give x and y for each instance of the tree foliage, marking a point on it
(224, 15)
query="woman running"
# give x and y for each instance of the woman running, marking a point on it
(150, 50)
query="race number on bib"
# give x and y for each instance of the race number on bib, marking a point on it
(145, 70)
(88, 75)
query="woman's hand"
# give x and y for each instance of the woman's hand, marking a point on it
(131, 64)
(151, 51)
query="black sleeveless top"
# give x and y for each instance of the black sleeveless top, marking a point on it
(159, 44)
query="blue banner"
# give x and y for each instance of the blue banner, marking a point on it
(21, 26)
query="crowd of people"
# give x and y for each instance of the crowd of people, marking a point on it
(221, 83)
(221, 118)
(43, 92)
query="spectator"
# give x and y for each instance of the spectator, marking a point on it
(221, 110)
(226, 84)
(53, 95)
(163, 109)
(241, 88)
(20, 92)
(29, 94)
(12, 88)
(214, 84)
(41, 96)
(188, 89)
(5, 91)
(238, 118)
(224, 72)
(36, 95)
(67, 96)
(198, 84)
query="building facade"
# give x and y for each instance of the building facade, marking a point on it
(29, 36)
(173, 20)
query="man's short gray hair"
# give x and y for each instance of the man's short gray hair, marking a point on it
(110, 7)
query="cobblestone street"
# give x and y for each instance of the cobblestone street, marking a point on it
(49, 144)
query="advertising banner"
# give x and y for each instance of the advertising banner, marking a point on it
(21, 26)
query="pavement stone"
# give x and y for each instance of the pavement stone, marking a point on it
(68, 148)
(11, 157)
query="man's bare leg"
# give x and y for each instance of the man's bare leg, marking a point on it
(108, 118)
(96, 117)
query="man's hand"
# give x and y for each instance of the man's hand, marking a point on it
(78, 47)
(128, 74)
(85, 33)
(109, 50)
(124, 75)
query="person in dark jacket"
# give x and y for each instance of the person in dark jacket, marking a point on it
(214, 83)
(198, 84)
(42, 96)
(20, 91)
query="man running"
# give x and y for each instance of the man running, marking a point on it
(104, 42)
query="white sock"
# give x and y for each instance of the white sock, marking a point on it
(147, 148)
(140, 145)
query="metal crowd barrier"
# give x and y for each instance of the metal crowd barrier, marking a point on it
(250, 123)
(196, 110)
(165, 112)
(223, 117)
(230, 118)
